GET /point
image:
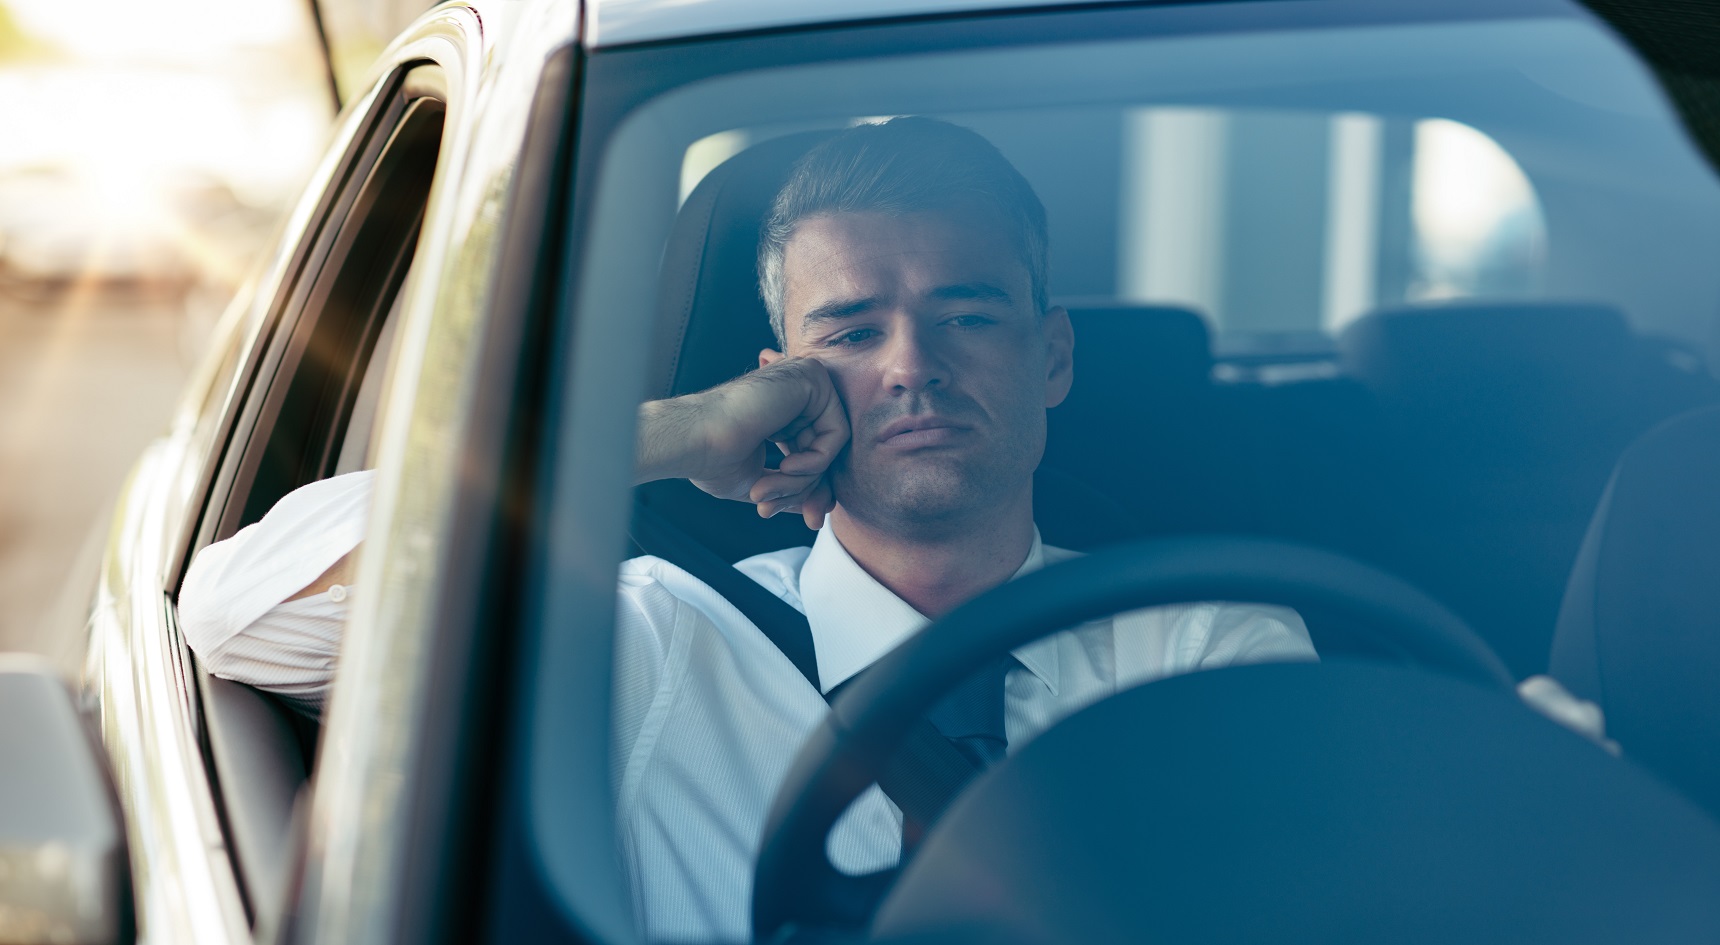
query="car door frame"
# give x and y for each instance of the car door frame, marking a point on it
(139, 676)
(326, 338)
(398, 820)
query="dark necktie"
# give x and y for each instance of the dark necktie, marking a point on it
(971, 716)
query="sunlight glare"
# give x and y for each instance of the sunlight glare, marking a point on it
(180, 30)
(1465, 184)
(1476, 215)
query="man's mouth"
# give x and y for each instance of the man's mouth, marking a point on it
(917, 431)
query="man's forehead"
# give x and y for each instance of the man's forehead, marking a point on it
(928, 228)
(920, 253)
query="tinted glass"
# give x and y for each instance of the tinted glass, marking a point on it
(1401, 290)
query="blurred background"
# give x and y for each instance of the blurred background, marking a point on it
(146, 153)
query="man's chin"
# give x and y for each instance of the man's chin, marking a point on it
(917, 500)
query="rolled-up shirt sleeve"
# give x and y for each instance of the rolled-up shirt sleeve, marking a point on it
(233, 607)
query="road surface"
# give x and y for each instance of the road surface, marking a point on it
(84, 385)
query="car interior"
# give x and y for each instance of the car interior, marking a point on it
(1466, 446)
(1458, 433)
(1463, 445)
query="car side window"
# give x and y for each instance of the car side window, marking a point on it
(308, 414)
(315, 413)
(356, 443)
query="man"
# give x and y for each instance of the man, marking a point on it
(904, 269)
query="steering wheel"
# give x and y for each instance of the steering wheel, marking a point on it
(795, 885)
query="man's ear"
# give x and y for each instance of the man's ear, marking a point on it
(1059, 355)
(769, 356)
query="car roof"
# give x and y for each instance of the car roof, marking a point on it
(627, 22)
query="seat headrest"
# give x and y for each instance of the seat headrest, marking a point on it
(712, 322)
(1408, 349)
(1134, 345)
(1511, 382)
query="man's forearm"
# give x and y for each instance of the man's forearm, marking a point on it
(670, 439)
(717, 438)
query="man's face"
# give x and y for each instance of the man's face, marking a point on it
(927, 322)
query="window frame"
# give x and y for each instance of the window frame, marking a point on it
(340, 256)
(297, 312)
(578, 537)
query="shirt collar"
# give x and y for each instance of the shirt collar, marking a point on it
(855, 620)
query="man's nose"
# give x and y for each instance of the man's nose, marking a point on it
(913, 363)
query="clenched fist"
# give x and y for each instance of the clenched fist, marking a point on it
(717, 438)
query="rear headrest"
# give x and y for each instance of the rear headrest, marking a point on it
(1154, 346)
(1524, 380)
(1412, 348)
(711, 320)
(1143, 376)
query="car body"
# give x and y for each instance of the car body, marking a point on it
(453, 228)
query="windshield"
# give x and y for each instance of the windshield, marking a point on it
(1398, 290)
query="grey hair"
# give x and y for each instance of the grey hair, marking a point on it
(904, 165)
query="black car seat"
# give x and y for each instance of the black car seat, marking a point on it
(1502, 422)
(1309, 447)
(713, 323)
(1639, 630)
(1142, 435)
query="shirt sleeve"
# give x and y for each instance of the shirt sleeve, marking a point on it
(1547, 696)
(233, 585)
(291, 650)
(1157, 642)
(1237, 634)
(644, 625)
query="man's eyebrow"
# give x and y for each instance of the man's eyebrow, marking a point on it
(970, 292)
(836, 311)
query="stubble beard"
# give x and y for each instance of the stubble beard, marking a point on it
(935, 494)
(934, 497)
(930, 501)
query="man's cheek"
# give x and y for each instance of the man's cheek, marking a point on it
(850, 392)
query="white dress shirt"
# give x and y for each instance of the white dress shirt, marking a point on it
(708, 713)
(233, 607)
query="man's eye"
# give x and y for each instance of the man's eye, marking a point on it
(853, 337)
(968, 321)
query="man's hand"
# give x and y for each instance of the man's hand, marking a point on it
(716, 438)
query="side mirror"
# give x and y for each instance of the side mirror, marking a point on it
(64, 876)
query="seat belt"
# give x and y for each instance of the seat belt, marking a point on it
(927, 771)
